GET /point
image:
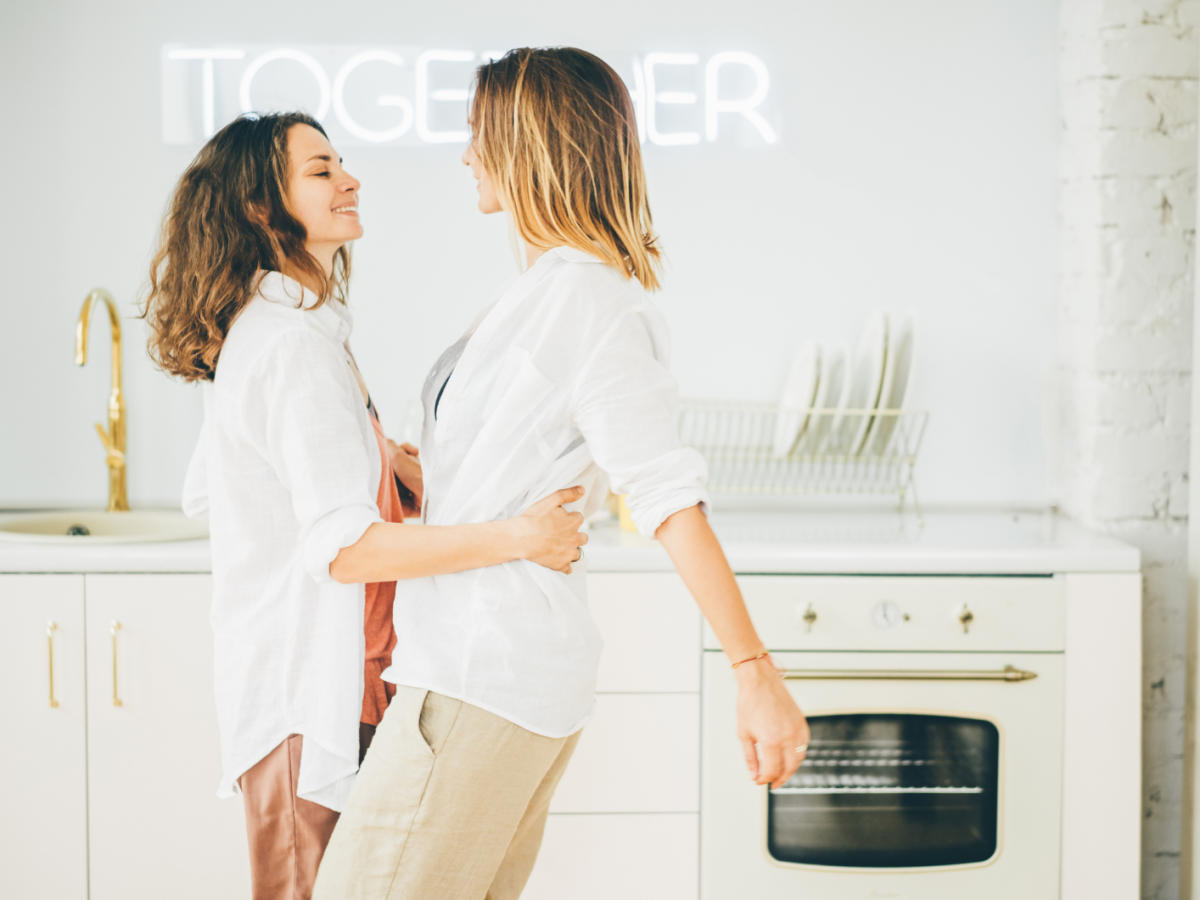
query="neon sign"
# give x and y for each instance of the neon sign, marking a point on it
(410, 97)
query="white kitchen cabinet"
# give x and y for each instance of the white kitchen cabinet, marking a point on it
(156, 827)
(43, 749)
(1102, 828)
(602, 857)
(641, 753)
(624, 821)
(651, 629)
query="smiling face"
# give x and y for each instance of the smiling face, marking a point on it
(488, 203)
(321, 194)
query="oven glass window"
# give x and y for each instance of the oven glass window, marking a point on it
(890, 791)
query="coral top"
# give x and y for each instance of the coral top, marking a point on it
(380, 635)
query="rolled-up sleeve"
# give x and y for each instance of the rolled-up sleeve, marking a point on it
(625, 405)
(315, 444)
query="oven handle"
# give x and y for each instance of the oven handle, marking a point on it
(1008, 673)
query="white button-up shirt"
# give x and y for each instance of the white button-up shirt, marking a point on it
(286, 471)
(562, 381)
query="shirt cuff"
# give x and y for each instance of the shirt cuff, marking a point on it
(329, 534)
(648, 526)
(677, 484)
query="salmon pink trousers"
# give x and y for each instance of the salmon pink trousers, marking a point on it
(287, 834)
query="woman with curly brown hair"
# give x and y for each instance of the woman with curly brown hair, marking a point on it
(248, 298)
(563, 380)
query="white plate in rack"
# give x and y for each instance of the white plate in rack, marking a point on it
(866, 379)
(897, 377)
(799, 388)
(832, 394)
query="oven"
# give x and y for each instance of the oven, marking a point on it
(935, 765)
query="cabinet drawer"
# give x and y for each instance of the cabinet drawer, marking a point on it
(651, 630)
(905, 613)
(641, 753)
(604, 857)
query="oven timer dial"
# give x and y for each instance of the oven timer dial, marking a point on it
(887, 616)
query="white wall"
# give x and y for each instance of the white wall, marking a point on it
(1128, 202)
(916, 171)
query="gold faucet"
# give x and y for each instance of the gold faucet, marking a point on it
(114, 437)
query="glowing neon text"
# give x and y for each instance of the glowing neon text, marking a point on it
(413, 97)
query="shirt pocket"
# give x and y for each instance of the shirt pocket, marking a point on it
(517, 397)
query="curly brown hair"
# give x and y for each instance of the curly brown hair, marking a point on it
(228, 220)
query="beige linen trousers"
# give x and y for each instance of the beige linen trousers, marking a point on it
(450, 804)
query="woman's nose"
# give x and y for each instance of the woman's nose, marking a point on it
(351, 184)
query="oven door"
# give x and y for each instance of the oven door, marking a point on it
(929, 775)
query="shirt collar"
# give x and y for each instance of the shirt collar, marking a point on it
(332, 316)
(573, 254)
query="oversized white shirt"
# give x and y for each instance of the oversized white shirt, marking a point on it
(563, 380)
(286, 471)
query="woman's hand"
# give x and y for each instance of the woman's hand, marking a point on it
(406, 465)
(548, 534)
(770, 724)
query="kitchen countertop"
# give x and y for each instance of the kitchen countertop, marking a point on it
(760, 541)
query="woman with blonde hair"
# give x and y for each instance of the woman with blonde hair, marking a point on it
(248, 298)
(562, 380)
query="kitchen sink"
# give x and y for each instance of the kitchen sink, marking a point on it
(94, 526)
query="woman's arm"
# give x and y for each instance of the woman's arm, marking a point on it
(626, 409)
(545, 534)
(770, 725)
(306, 416)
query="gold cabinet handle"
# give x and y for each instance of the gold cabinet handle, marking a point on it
(116, 626)
(1008, 673)
(50, 629)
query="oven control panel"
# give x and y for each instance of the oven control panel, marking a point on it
(847, 612)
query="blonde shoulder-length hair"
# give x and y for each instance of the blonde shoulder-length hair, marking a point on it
(556, 133)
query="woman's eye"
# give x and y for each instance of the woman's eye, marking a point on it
(322, 174)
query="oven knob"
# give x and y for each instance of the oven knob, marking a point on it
(809, 618)
(887, 616)
(965, 618)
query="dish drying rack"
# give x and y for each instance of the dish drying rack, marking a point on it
(837, 451)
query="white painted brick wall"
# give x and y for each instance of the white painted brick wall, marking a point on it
(1119, 415)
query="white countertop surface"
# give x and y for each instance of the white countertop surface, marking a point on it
(948, 543)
